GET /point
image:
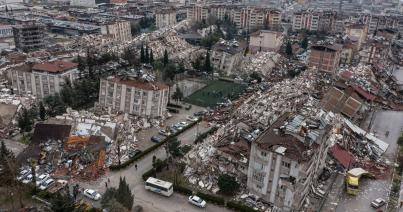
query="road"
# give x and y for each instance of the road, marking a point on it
(371, 189)
(148, 200)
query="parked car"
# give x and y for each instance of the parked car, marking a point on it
(183, 123)
(164, 132)
(192, 118)
(45, 185)
(134, 153)
(157, 138)
(173, 130)
(42, 178)
(378, 203)
(200, 113)
(92, 194)
(178, 127)
(23, 174)
(28, 179)
(195, 200)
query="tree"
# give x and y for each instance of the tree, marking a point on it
(66, 93)
(42, 111)
(304, 43)
(142, 55)
(124, 194)
(25, 120)
(62, 203)
(228, 184)
(174, 147)
(151, 57)
(207, 64)
(181, 68)
(147, 56)
(33, 173)
(166, 59)
(256, 76)
(114, 205)
(177, 95)
(197, 64)
(399, 36)
(288, 49)
(54, 104)
(81, 65)
(108, 196)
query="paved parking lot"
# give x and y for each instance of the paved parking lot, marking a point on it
(144, 136)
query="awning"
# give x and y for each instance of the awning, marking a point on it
(343, 156)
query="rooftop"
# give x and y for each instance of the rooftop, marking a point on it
(139, 83)
(57, 66)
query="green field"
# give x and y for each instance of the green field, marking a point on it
(215, 92)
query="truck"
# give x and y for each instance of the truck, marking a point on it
(352, 180)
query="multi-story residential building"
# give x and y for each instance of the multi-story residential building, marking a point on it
(325, 58)
(226, 55)
(29, 37)
(43, 79)
(244, 17)
(119, 31)
(134, 96)
(6, 31)
(286, 160)
(165, 18)
(322, 21)
(197, 13)
(373, 51)
(357, 32)
(265, 40)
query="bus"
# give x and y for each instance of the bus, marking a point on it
(159, 186)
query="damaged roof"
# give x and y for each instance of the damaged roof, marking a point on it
(57, 66)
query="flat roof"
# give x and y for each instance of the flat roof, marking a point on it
(159, 182)
(57, 66)
(138, 83)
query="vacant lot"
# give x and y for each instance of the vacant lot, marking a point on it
(215, 92)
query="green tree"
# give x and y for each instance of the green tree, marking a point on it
(62, 203)
(174, 147)
(42, 111)
(124, 195)
(147, 56)
(304, 43)
(169, 72)
(81, 65)
(54, 104)
(177, 95)
(288, 49)
(113, 205)
(109, 194)
(151, 57)
(67, 92)
(166, 59)
(228, 184)
(142, 55)
(25, 120)
(197, 64)
(207, 64)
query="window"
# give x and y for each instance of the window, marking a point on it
(263, 153)
(285, 164)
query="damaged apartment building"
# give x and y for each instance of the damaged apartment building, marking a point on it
(134, 95)
(286, 159)
(42, 79)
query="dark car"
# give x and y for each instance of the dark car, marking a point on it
(134, 153)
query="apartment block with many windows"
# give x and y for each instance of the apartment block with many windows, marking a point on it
(42, 79)
(134, 96)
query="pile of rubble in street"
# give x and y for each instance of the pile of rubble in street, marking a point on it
(262, 62)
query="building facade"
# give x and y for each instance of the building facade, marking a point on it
(325, 58)
(265, 40)
(284, 163)
(83, 3)
(134, 96)
(244, 17)
(311, 20)
(29, 37)
(43, 79)
(226, 56)
(165, 18)
(6, 31)
(119, 31)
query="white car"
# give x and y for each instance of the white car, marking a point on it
(23, 174)
(192, 118)
(28, 179)
(378, 203)
(45, 185)
(92, 194)
(195, 200)
(42, 178)
(183, 123)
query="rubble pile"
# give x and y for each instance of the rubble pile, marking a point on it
(262, 62)
(362, 76)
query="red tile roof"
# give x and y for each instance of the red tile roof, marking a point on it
(343, 156)
(141, 84)
(55, 66)
(364, 93)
